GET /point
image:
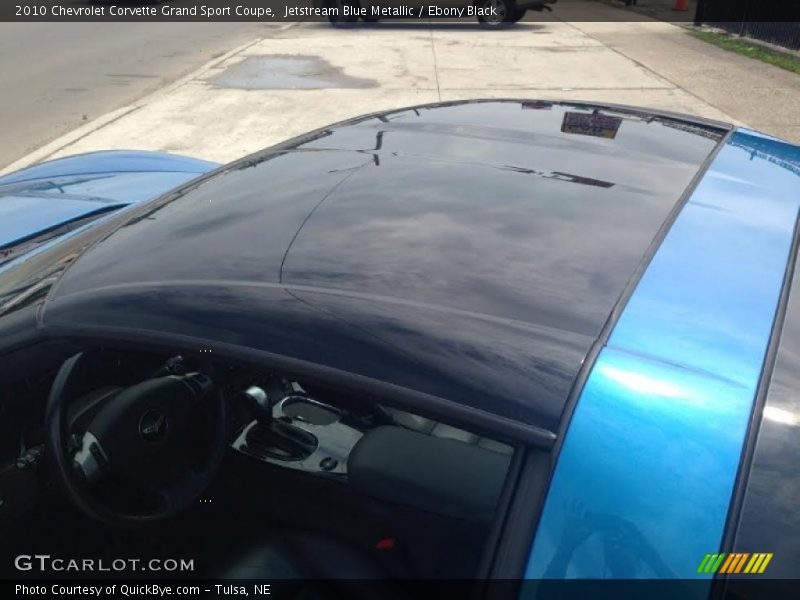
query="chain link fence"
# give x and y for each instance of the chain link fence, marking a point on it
(773, 21)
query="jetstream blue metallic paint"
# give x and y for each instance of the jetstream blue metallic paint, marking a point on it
(110, 161)
(49, 194)
(645, 475)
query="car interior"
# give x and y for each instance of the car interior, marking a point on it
(122, 452)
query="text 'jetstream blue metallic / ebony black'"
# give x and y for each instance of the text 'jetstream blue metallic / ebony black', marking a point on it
(646, 472)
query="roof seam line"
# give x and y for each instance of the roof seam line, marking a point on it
(308, 216)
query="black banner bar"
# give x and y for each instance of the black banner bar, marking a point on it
(749, 588)
(706, 11)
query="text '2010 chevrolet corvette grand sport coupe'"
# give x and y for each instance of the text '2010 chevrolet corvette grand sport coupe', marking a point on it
(494, 340)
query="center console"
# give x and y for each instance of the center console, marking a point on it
(297, 432)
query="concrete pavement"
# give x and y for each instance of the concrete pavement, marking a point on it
(310, 74)
(752, 92)
(58, 76)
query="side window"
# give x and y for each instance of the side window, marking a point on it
(421, 486)
(287, 480)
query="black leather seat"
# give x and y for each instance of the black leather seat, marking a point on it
(328, 568)
(304, 556)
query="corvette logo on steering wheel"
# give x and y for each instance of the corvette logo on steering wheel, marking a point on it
(153, 426)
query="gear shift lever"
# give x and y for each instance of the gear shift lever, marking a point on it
(273, 437)
(261, 404)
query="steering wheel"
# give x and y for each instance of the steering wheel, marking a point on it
(140, 434)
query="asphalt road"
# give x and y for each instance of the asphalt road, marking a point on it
(57, 76)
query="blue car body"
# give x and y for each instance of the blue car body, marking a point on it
(649, 402)
(679, 372)
(51, 195)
